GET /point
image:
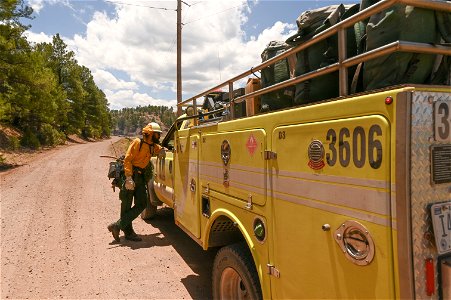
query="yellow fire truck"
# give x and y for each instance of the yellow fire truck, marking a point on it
(343, 198)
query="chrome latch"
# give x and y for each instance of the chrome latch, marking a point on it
(207, 189)
(273, 271)
(270, 155)
(193, 185)
(249, 202)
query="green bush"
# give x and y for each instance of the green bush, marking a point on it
(50, 136)
(87, 132)
(14, 143)
(96, 133)
(30, 140)
(91, 132)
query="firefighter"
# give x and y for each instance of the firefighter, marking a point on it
(138, 171)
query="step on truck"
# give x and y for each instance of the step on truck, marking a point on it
(348, 197)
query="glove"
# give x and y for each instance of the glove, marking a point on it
(129, 183)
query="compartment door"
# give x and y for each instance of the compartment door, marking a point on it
(233, 164)
(186, 187)
(327, 174)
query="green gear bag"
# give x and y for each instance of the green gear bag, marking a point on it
(321, 54)
(404, 23)
(275, 73)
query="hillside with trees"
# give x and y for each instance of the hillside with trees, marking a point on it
(130, 121)
(44, 92)
(47, 96)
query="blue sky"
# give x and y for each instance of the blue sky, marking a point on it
(130, 46)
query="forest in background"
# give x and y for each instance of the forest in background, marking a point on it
(44, 92)
(130, 121)
(47, 96)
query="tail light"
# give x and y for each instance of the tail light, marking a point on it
(430, 277)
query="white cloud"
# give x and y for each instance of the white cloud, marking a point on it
(37, 5)
(38, 37)
(141, 42)
(106, 79)
(127, 98)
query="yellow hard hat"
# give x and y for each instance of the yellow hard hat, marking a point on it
(151, 128)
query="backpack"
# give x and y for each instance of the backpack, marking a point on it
(322, 53)
(405, 23)
(275, 73)
(116, 172)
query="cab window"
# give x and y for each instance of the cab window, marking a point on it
(168, 140)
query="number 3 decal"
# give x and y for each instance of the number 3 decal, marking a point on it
(442, 121)
(358, 141)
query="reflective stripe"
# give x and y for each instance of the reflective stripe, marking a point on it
(246, 178)
(357, 197)
(366, 199)
(372, 183)
(327, 206)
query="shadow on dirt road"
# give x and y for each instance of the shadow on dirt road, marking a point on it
(200, 261)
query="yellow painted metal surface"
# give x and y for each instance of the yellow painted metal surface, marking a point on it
(351, 183)
(164, 177)
(244, 176)
(187, 206)
(297, 193)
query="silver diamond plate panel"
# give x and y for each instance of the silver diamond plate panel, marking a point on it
(422, 191)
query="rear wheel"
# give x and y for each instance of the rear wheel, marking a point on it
(151, 210)
(234, 274)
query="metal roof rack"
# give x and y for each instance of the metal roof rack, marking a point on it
(343, 61)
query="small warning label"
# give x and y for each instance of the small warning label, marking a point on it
(251, 144)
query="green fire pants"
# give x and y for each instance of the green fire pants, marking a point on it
(129, 213)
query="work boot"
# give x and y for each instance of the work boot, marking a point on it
(133, 237)
(132, 233)
(115, 230)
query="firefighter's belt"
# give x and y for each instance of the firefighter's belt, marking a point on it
(138, 170)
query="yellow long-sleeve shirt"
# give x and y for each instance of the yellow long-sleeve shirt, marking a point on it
(139, 158)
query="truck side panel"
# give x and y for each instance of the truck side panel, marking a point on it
(164, 178)
(351, 183)
(243, 176)
(187, 207)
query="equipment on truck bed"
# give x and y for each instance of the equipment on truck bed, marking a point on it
(406, 23)
(275, 73)
(321, 54)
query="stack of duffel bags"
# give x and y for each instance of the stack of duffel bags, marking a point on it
(280, 71)
(404, 23)
(400, 22)
(323, 53)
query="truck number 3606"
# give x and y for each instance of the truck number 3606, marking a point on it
(356, 146)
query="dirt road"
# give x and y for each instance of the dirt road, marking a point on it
(55, 244)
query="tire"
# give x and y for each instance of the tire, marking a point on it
(235, 275)
(151, 210)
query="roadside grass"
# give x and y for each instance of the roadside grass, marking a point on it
(120, 147)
